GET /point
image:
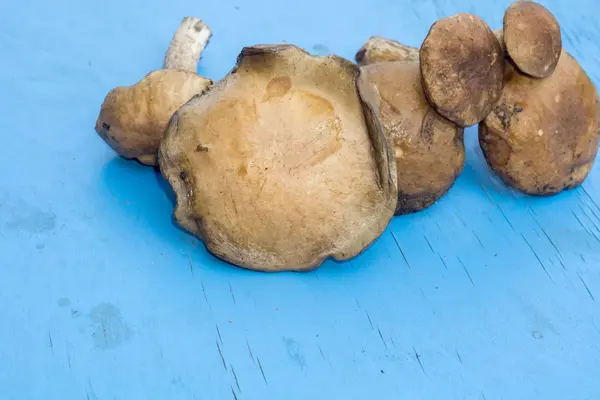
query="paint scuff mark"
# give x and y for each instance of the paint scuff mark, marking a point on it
(418, 357)
(466, 271)
(586, 287)
(221, 354)
(382, 339)
(232, 295)
(537, 257)
(401, 251)
(262, 371)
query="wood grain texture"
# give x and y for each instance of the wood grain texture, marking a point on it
(489, 294)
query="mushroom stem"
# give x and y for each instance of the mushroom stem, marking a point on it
(187, 45)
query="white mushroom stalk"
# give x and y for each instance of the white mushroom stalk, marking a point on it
(187, 45)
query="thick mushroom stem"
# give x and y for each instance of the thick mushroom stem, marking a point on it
(187, 45)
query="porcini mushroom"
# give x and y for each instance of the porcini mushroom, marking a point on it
(542, 135)
(429, 149)
(499, 33)
(133, 119)
(462, 68)
(532, 38)
(275, 168)
(379, 49)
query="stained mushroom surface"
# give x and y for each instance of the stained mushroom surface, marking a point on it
(462, 65)
(429, 150)
(275, 168)
(542, 135)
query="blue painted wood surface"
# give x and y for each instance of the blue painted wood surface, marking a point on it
(493, 296)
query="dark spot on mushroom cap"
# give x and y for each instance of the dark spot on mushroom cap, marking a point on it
(360, 55)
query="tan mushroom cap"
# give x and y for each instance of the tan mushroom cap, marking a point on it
(133, 119)
(274, 168)
(532, 38)
(462, 68)
(542, 135)
(379, 49)
(429, 149)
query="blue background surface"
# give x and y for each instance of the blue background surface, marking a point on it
(102, 297)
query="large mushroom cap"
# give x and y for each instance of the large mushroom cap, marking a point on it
(429, 149)
(274, 168)
(532, 38)
(378, 49)
(132, 119)
(542, 137)
(462, 67)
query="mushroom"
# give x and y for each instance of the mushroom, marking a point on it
(429, 149)
(378, 49)
(462, 68)
(532, 38)
(542, 135)
(275, 167)
(499, 33)
(133, 119)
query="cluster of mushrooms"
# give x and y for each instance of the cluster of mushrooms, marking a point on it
(293, 158)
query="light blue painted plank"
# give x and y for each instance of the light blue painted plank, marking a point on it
(494, 295)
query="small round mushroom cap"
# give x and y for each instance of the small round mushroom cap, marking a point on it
(462, 65)
(542, 135)
(133, 119)
(378, 49)
(275, 167)
(532, 38)
(429, 149)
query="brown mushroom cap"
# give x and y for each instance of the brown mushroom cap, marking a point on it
(462, 68)
(429, 149)
(133, 118)
(274, 168)
(532, 38)
(542, 135)
(378, 49)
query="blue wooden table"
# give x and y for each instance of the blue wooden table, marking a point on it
(491, 295)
